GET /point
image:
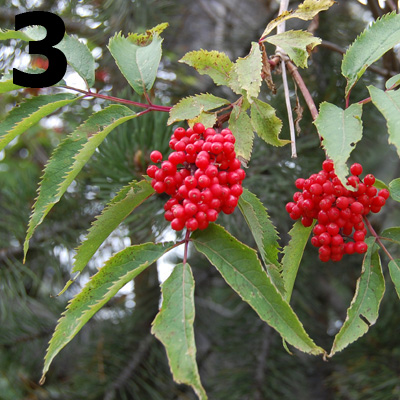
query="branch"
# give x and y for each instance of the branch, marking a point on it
(377, 237)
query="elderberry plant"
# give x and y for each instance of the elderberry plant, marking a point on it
(203, 176)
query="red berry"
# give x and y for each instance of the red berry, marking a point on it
(357, 208)
(155, 156)
(177, 224)
(356, 169)
(359, 236)
(151, 170)
(198, 128)
(369, 180)
(384, 193)
(360, 247)
(327, 165)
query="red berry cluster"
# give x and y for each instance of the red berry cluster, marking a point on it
(202, 175)
(337, 210)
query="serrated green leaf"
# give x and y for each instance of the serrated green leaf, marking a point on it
(388, 103)
(264, 233)
(69, 158)
(143, 39)
(117, 271)
(124, 202)
(241, 127)
(364, 308)
(247, 73)
(306, 11)
(393, 82)
(266, 123)
(394, 271)
(340, 130)
(241, 269)
(11, 34)
(215, 64)
(368, 47)
(393, 234)
(138, 64)
(394, 188)
(205, 118)
(173, 326)
(293, 254)
(28, 113)
(297, 45)
(78, 57)
(192, 106)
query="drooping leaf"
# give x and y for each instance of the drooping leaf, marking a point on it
(241, 269)
(124, 202)
(30, 112)
(393, 234)
(208, 119)
(7, 85)
(297, 45)
(394, 270)
(117, 271)
(192, 106)
(264, 233)
(388, 103)
(69, 158)
(364, 308)
(368, 47)
(78, 57)
(393, 82)
(266, 123)
(242, 129)
(246, 74)
(394, 188)
(215, 64)
(306, 11)
(293, 254)
(173, 326)
(138, 64)
(340, 130)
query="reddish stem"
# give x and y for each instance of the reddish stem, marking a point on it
(149, 107)
(377, 237)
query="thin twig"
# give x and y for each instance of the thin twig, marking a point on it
(150, 107)
(377, 237)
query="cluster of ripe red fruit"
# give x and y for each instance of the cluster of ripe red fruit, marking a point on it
(337, 210)
(202, 175)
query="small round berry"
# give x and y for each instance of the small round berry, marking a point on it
(198, 128)
(190, 209)
(371, 191)
(349, 248)
(369, 179)
(325, 238)
(342, 202)
(356, 169)
(204, 181)
(307, 221)
(192, 224)
(337, 240)
(315, 241)
(316, 189)
(177, 224)
(378, 201)
(324, 251)
(332, 229)
(212, 215)
(236, 190)
(159, 187)
(384, 193)
(327, 165)
(353, 181)
(359, 236)
(155, 156)
(194, 195)
(151, 170)
(357, 208)
(299, 183)
(190, 182)
(318, 229)
(179, 133)
(360, 247)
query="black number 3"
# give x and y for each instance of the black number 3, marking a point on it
(57, 61)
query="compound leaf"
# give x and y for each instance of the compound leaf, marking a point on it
(388, 103)
(138, 64)
(242, 270)
(292, 255)
(78, 57)
(264, 233)
(28, 113)
(124, 202)
(246, 74)
(173, 326)
(364, 308)
(215, 64)
(368, 47)
(117, 271)
(242, 129)
(192, 106)
(340, 130)
(394, 188)
(306, 11)
(394, 271)
(266, 123)
(69, 158)
(297, 45)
